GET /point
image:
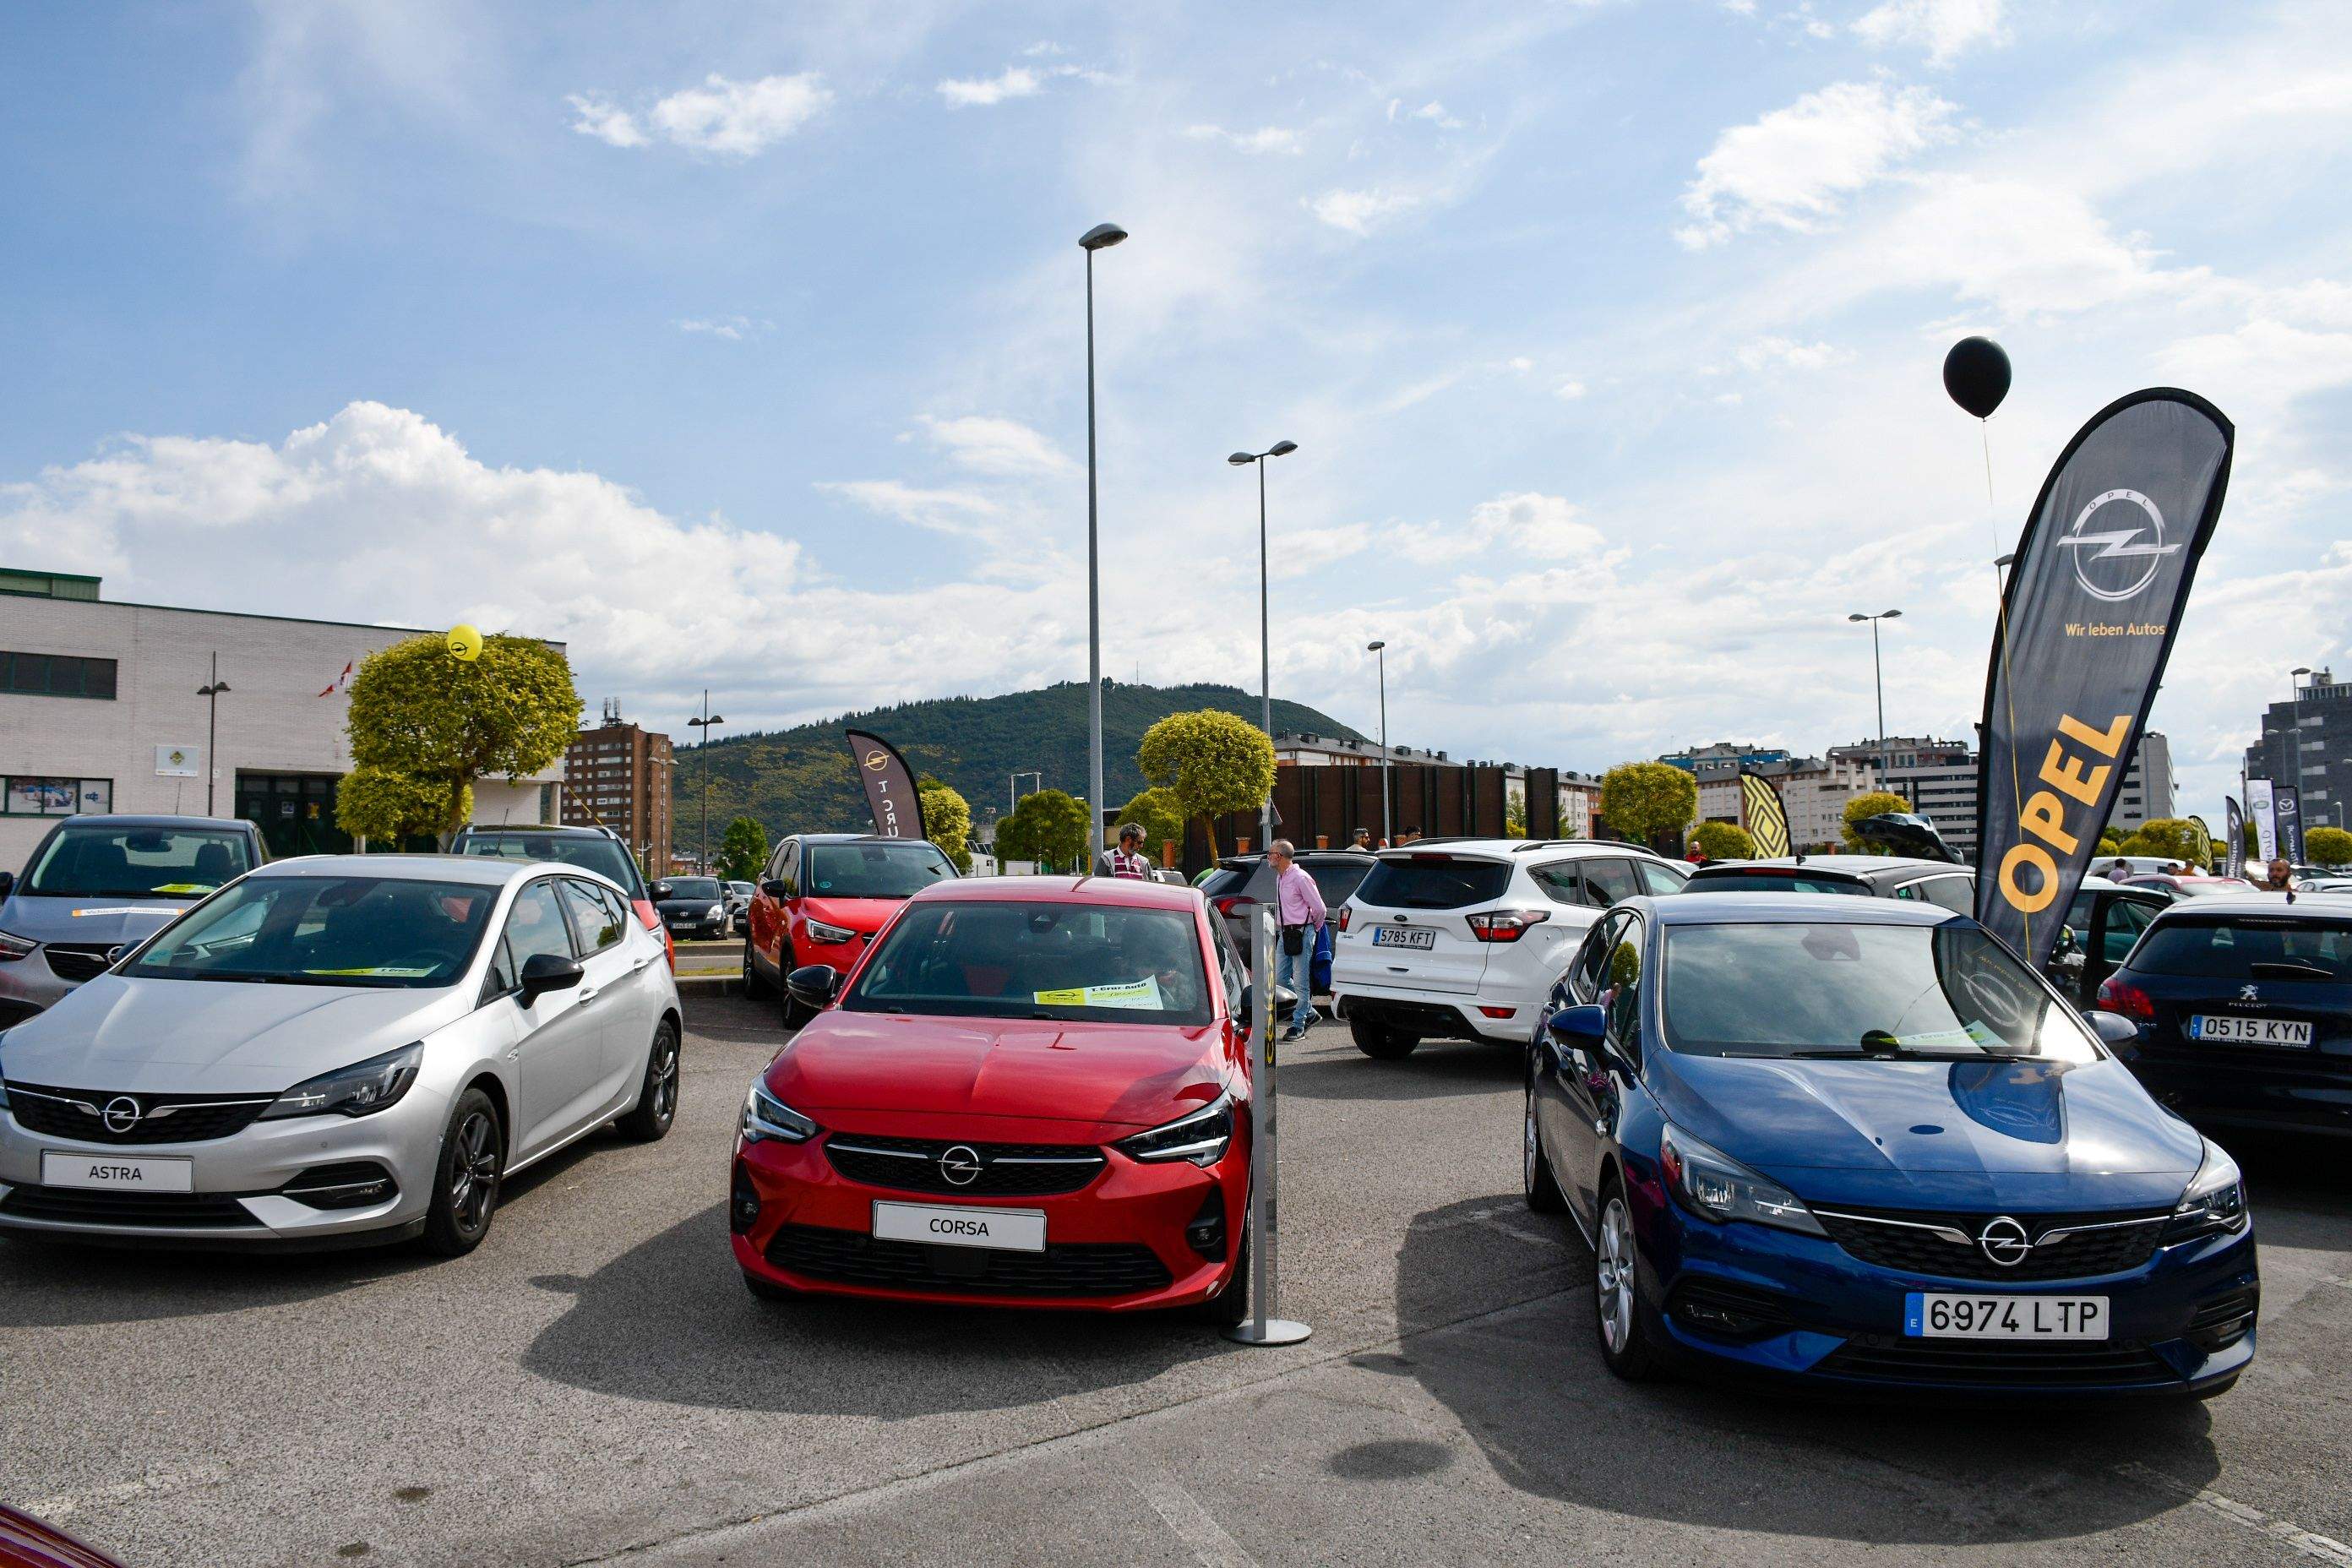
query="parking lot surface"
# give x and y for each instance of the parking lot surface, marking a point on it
(593, 1384)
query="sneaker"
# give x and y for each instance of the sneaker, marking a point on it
(1293, 1035)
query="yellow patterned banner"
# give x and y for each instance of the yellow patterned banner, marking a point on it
(1767, 820)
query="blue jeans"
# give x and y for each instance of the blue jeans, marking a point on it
(1294, 970)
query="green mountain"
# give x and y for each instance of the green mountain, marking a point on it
(800, 781)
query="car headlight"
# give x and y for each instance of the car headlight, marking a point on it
(711, 913)
(1201, 1136)
(820, 931)
(767, 1119)
(1716, 1188)
(361, 1089)
(2215, 1202)
(14, 947)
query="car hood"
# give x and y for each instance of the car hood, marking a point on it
(180, 1037)
(868, 915)
(1121, 1077)
(98, 919)
(687, 906)
(1937, 1135)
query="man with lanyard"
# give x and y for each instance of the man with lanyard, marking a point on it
(1300, 912)
(1126, 861)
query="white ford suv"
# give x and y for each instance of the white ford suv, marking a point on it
(1460, 939)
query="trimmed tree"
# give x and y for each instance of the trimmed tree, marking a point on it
(2170, 836)
(1214, 763)
(375, 803)
(1872, 802)
(946, 818)
(1724, 841)
(1049, 828)
(2327, 845)
(1647, 801)
(1156, 811)
(743, 850)
(441, 722)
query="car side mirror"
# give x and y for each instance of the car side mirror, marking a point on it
(546, 972)
(8, 883)
(814, 984)
(2113, 1028)
(1579, 1029)
(772, 888)
(660, 891)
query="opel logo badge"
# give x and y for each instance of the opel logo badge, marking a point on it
(2004, 1241)
(2129, 539)
(961, 1165)
(877, 761)
(122, 1113)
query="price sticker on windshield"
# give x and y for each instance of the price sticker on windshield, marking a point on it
(1142, 994)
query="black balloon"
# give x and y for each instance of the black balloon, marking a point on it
(1976, 372)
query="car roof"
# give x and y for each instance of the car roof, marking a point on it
(496, 829)
(1117, 891)
(1505, 848)
(856, 838)
(1754, 909)
(154, 820)
(476, 869)
(2271, 906)
(1853, 865)
(1305, 857)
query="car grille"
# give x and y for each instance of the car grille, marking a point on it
(1892, 1239)
(1965, 1363)
(76, 1113)
(1072, 1269)
(912, 1164)
(79, 1205)
(77, 960)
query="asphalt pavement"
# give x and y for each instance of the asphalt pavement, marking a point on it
(594, 1385)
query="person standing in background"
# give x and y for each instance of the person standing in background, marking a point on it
(1300, 915)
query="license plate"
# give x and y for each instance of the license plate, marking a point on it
(940, 1224)
(1936, 1315)
(119, 1173)
(2239, 1031)
(1403, 936)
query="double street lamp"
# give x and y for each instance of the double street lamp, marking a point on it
(1388, 827)
(1102, 237)
(708, 723)
(1878, 679)
(1265, 633)
(211, 692)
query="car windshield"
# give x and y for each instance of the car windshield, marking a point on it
(378, 931)
(113, 862)
(1768, 879)
(703, 888)
(1834, 989)
(2243, 949)
(874, 871)
(1433, 882)
(1025, 959)
(592, 851)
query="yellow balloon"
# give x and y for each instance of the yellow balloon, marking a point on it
(464, 643)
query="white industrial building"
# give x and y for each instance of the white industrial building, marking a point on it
(99, 710)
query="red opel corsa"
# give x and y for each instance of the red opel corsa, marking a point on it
(821, 898)
(1029, 1092)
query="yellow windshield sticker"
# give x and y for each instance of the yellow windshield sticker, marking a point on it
(387, 971)
(186, 888)
(1139, 994)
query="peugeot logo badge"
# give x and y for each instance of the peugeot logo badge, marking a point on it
(961, 1165)
(2004, 1241)
(2249, 993)
(122, 1113)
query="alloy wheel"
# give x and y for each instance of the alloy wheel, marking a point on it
(474, 1183)
(664, 1085)
(1529, 1152)
(1613, 1276)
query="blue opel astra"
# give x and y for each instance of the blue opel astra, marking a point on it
(1857, 1143)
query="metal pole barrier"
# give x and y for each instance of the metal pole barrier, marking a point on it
(1263, 1327)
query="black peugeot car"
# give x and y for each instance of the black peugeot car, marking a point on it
(2244, 1011)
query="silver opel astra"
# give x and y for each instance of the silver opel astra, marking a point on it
(344, 1050)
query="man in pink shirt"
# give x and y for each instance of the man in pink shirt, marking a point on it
(1299, 914)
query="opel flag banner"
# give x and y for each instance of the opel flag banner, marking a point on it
(1767, 820)
(2259, 808)
(2233, 859)
(890, 784)
(2287, 809)
(2201, 842)
(2088, 622)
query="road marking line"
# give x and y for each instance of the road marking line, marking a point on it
(2325, 1548)
(1193, 1524)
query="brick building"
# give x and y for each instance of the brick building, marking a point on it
(617, 775)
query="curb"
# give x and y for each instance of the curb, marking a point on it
(703, 986)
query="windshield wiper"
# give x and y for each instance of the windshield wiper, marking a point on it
(2268, 969)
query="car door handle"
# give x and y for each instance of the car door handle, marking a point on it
(588, 994)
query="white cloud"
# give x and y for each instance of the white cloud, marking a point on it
(961, 513)
(1569, 391)
(1012, 81)
(598, 117)
(1267, 139)
(1766, 353)
(1526, 526)
(1361, 212)
(1791, 168)
(733, 329)
(732, 119)
(1946, 28)
(1001, 446)
(1433, 111)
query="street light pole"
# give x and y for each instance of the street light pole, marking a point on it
(1388, 815)
(1102, 237)
(1878, 679)
(211, 692)
(1264, 626)
(708, 723)
(2294, 742)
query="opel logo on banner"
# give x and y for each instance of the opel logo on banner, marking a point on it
(960, 1165)
(122, 1113)
(2004, 1241)
(2125, 539)
(877, 761)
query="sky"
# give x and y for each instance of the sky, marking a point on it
(742, 346)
